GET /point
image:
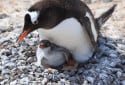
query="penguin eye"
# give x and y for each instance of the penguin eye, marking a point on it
(35, 22)
(47, 44)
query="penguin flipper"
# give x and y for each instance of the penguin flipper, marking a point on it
(105, 16)
(87, 24)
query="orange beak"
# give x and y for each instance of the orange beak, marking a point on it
(41, 46)
(23, 35)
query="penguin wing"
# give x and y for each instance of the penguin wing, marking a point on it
(87, 24)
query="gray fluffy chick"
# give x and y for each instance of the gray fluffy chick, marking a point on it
(49, 54)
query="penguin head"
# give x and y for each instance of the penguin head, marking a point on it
(44, 44)
(45, 14)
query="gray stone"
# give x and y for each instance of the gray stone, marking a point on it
(88, 1)
(106, 1)
(103, 75)
(24, 81)
(55, 78)
(44, 81)
(123, 82)
(2, 16)
(90, 79)
(14, 50)
(72, 79)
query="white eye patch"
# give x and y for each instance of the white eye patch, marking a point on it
(34, 16)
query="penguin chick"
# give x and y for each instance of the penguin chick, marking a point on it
(49, 54)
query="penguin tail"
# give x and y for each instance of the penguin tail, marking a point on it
(105, 16)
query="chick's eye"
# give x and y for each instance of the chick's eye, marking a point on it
(35, 22)
(48, 44)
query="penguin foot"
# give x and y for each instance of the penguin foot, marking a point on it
(70, 62)
(50, 69)
(70, 67)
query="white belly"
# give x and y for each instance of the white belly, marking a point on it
(71, 35)
(54, 58)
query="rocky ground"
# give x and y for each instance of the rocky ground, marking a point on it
(16, 59)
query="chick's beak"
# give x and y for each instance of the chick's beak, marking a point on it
(23, 35)
(41, 46)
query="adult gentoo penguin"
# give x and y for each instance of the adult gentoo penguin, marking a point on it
(49, 54)
(67, 23)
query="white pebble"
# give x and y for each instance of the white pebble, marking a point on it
(123, 82)
(90, 79)
(44, 81)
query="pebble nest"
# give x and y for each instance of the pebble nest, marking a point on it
(17, 68)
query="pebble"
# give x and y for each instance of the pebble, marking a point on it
(72, 79)
(3, 15)
(55, 78)
(44, 81)
(90, 79)
(113, 55)
(119, 74)
(103, 76)
(106, 1)
(4, 57)
(30, 60)
(6, 52)
(14, 51)
(5, 41)
(24, 81)
(13, 82)
(80, 71)
(88, 1)
(123, 82)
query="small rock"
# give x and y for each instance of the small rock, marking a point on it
(55, 78)
(2, 16)
(30, 60)
(24, 81)
(119, 74)
(90, 79)
(4, 57)
(72, 79)
(103, 75)
(4, 82)
(44, 81)
(50, 76)
(62, 75)
(61, 83)
(113, 55)
(14, 51)
(123, 82)
(88, 1)
(85, 82)
(106, 1)
(6, 52)
(13, 82)
(5, 41)
(113, 64)
(72, 73)
(122, 76)
(5, 71)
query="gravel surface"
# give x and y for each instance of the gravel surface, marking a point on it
(16, 59)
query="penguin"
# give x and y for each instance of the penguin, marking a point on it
(67, 23)
(50, 55)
